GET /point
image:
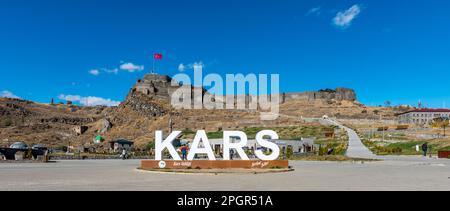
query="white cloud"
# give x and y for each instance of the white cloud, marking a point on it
(191, 66)
(97, 72)
(130, 67)
(89, 101)
(73, 98)
(94, 101)
(343, 19)
(111, 71)
(196, 65)
(181, 67)
(94, 72)
(8, 94)
(314, 11)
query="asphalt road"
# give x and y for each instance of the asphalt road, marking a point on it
(401, 173)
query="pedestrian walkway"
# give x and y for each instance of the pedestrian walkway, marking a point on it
(356, 148)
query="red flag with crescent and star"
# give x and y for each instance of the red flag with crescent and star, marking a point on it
(157, 56)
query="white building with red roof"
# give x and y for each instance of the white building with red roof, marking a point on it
(422, 116)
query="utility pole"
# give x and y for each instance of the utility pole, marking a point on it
(368, 134)
(382, 126)
(153, 68)
(444, 124)
(170, 123)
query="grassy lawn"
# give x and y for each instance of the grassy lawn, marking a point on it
(339, 145)
(405, 147)
(339, 158)
(401, 142)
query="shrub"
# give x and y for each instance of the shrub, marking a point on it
(289, 153)
(150, 146)
(28, 154)
(387, 150)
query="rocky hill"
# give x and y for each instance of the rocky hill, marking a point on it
(49, 124)
(147, 109)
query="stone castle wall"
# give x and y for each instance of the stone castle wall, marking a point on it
(159, 86)
(338, 94)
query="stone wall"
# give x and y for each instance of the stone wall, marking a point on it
(338, 94)
(159, 86)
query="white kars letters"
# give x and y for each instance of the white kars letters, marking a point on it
(201, 145)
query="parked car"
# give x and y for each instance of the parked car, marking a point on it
(39, 147)
(19, 145)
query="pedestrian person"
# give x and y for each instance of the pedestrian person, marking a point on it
(425, 149)
(184, 149)
(231, 154)
(124, 154)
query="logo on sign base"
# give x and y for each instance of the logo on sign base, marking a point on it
(162, 164)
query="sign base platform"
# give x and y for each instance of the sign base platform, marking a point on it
(214, 164)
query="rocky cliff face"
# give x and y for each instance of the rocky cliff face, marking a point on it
(144, 105)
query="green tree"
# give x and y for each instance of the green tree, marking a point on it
(150, 146)
(440, 122)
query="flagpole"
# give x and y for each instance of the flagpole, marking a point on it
(153, 69)
(156, 56)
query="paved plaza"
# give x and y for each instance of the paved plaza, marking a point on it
(394, 174)
(391, 173)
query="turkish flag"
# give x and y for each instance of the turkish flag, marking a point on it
(157, 56)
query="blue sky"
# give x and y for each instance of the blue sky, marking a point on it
(386, 50)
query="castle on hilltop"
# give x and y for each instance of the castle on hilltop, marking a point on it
(154, 85)
(160, 86)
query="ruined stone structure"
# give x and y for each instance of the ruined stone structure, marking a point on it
(80, 129)
(159, 86)
(154, 85)
(338, 94)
